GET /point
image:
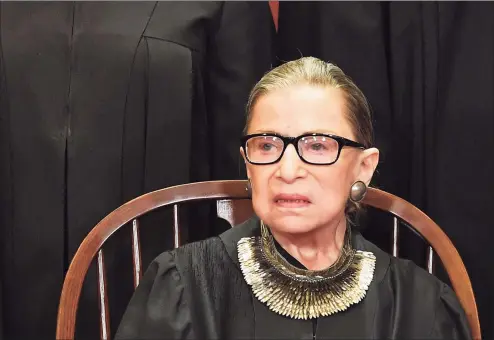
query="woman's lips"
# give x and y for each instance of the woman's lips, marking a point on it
(291, 200)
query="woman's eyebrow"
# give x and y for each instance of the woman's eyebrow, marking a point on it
(327, 132)
(266, 131)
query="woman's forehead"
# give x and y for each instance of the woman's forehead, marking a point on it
(301, 109)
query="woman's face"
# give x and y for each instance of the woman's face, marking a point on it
(322, 190)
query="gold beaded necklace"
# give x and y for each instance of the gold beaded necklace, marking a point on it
(301, 293)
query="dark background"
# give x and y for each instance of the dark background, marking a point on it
(101, 102)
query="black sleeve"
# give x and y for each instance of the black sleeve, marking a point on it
(450, 320)
(239, 53)
(157, 309)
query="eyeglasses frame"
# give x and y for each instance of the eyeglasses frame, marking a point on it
(342, 142)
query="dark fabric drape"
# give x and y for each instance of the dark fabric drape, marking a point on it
(101, 102)
(427, 69)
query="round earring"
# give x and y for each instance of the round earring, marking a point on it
(358, 191)
(248, 187)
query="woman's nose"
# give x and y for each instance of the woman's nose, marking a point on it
(290, 165)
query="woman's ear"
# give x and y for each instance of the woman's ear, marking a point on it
(245, 162)
(368, 164)
(243, 154)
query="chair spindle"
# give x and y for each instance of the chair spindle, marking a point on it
(430, 259)
(176, 226)
(136, 253)
(103, 298)
(396, 236)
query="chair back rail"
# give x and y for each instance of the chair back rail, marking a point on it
(234, 205)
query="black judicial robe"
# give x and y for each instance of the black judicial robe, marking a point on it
(198, 291)
(101, 102)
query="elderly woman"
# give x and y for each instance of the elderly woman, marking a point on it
(297, 270)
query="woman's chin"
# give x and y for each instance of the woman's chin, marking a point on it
(292, 224)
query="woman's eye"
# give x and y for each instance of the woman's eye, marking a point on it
(266, 147)
(317, 146)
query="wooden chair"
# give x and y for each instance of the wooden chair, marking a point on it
(234, 205)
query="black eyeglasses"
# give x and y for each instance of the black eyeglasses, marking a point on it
(312, 148)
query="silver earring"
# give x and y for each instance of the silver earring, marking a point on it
(358, 191)
(248, 187)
